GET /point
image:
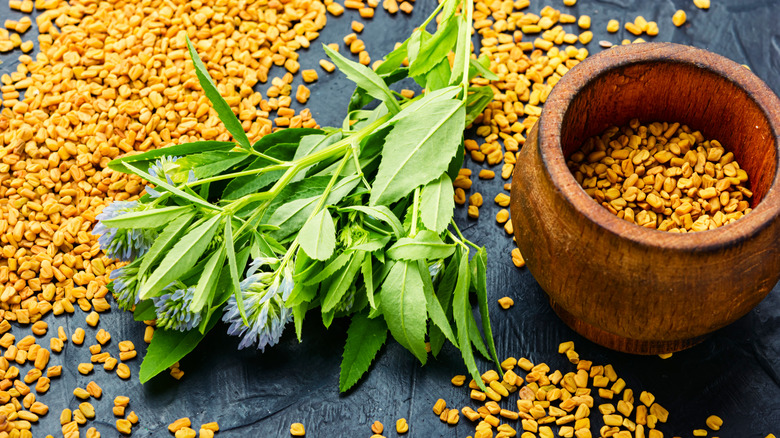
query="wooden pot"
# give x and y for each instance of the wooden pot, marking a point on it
(627, 287)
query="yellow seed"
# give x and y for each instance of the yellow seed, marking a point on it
(93, 318)
(517, 258)
(569, 2)
(714, 422)
(473, 211)
(85, 368)
(506, 302)
(296, 429)
(124, 426)
(502, 216)
(123, 371)
(458, 380)
(586, 37)
(377, 427)
(87, 409)
(613, 26)
(476, 200)
(702, 4)
(401, 426)
(584, 22)
(179, 424)
(78, 336)
(679, 18)
(699, 432)
(94, 390)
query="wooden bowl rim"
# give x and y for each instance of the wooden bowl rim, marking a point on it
(593, 69)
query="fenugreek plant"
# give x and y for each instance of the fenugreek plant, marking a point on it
(346, 222)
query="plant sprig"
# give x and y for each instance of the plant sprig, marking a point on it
(355, 221)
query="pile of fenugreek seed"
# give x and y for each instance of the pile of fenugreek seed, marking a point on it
(663, 176)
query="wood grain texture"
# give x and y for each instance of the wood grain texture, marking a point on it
(627, 287)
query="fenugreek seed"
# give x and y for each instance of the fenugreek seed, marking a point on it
(702, 4)
(124, 426)
(122, 370)
(473, 211)
(458, 380)
(119, 411)
(92, 319)
(87, 410)
(506, 302)
(714, 422)
(94, 390)
(85, 368)
(439, 406)
(148, 334)
(110, 364)
(181, 423)
(296, 429)
(78, 336)
(81, 393)
(401, 426)
(679, 18)
(377, 427)
(453, 416)
(40, 328)
(699, 432)
(613, 26)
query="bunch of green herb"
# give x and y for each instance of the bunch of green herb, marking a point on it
(353, 221)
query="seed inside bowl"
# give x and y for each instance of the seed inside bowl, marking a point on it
(663, 176)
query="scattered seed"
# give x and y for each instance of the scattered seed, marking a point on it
(297, 429)
(506, 302)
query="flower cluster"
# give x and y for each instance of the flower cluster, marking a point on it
(166, 167)
(173, 308)
(125, 285)
(124, 244)
(263, 296)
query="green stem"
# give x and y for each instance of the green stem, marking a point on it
(283, 165)
(468, 4)
(267, 157)
(433, 15)
(415, 211)
(320, 204)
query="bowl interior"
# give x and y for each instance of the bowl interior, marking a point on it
(673, 91)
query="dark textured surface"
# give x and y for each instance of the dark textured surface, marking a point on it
(734, 374)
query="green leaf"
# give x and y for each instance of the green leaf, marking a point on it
(341, 282)
(318, 236)
(461, 312)
(383, 214)
(299, 312)
(461, 48)
(367, 269)
(144, 311)
(479, 278)
(372, 245)
(477, 100)
(225, 113)
(481, 66)
(160, 183)
(207, 283)
(181, 258)
(425, 245)
(476, 336)
(145, 159)
(365, 78)
(211, 163)
(164, 241)
(444, 291)
(415, 42)
(233, 270)
(393, 60)
(437, 203)
(290, 217)
(330, 269)
(418, 150)
(154, 218)
(439, 76)
(403, 307)
(434, 50)
(435, 310)
(365, 338)
(282, 136)
(168, 347)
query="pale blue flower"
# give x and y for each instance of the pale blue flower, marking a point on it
(165, 168)
(173, 309)
(263, 295)
(125, 285)
(125, 244)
